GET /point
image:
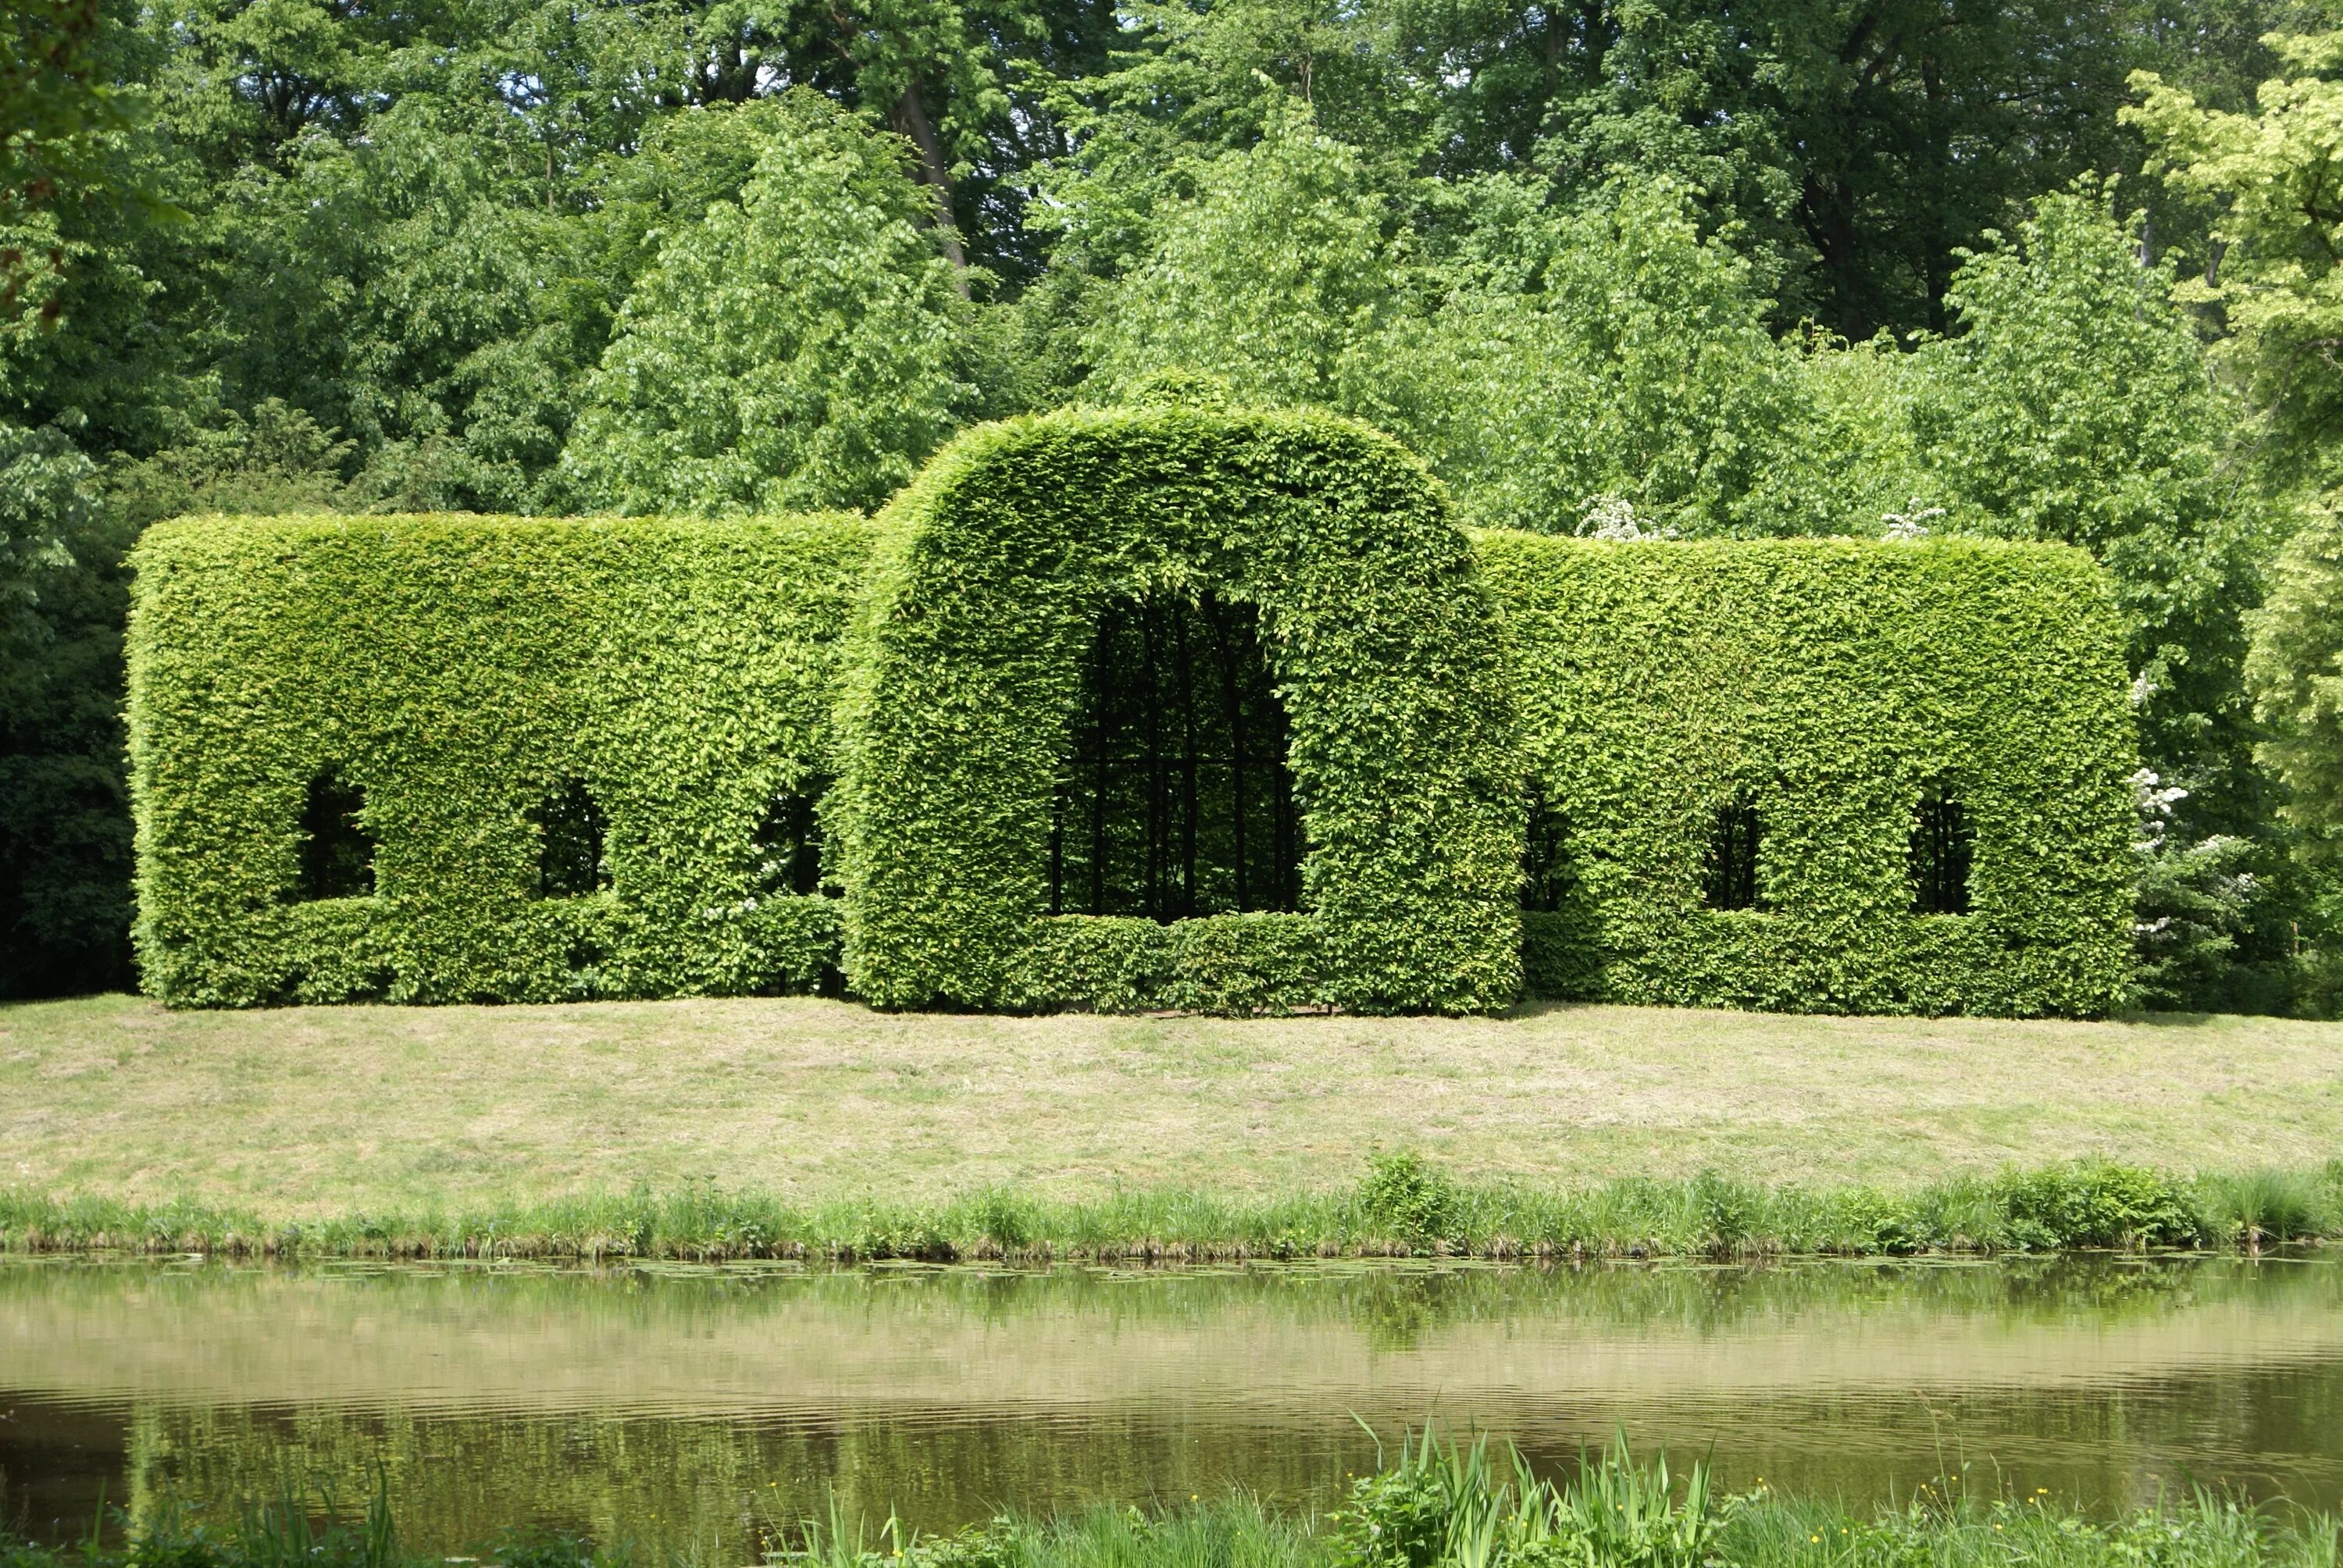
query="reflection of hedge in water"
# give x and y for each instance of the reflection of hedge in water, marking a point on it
(461, 1479)
(571, 1319)
(457, 1481)
(1163, 708)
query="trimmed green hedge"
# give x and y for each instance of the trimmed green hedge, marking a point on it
(966, 668)
(697, 679)
(1828, 684)
(458, 671)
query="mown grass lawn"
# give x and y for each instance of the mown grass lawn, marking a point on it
(332, 1110)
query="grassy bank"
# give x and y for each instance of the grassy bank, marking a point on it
(1401, 1206)
(313, 1115)
(1435, 1505)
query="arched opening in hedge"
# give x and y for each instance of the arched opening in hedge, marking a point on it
(1175, 798)
(1729, 871)
(570, 859)
(1942, 845)
(965, 702)
(787, 843)
(336, 850)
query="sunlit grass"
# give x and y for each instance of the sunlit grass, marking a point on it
(1401, 1206)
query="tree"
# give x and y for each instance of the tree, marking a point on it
(2077, 405)
(1604, 354)
(1277, 276)
(2296, 675)
(2273, 181)
(802, 348)
(65, 822)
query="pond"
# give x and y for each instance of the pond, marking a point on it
(675, 1406)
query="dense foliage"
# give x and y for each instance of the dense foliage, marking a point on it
(967, 667)
(2034, 271)
(438, 758)
(499, 720)
(1874, 680)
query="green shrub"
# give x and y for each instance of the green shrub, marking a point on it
(1404, 1200)
(592, 758)
(461, 672)
(2098, 1205)
(1829, 687)
(967, 670)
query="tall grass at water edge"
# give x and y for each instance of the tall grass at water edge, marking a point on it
(1402, 1206)
(1438, 1504)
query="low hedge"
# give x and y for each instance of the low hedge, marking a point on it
(457, 670)
(1829, 685)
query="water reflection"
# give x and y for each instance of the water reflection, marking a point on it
(666, 1406)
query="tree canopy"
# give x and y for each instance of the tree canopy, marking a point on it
(2040, 271)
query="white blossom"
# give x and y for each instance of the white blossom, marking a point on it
(1614, 517)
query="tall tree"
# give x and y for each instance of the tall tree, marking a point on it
(800, 348)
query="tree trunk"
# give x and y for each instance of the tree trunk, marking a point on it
(911, 120)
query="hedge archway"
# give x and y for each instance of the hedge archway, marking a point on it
(966, 664)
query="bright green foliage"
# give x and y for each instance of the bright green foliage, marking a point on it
(2269, 178)
(461, 672)
(1385, 652)
(1831, 686)
(2076, 408)
(2295, 671)
(1275, 278)
(1445, 1504)
(1403, 1206)
(1608, 353)
(2077, 405)
(801, 349)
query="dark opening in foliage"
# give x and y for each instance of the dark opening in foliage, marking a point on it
(1175, 798)
(1547, 874)
(569, 860)
(1729, 875)
(336, 852)
(789, 842)
(1943, 843)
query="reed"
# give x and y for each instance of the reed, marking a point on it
(1436, 1503)
(1401, 1207)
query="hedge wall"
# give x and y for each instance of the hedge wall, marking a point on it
(1826, 687)
(966, 668)
(1635, 705)
(459, 672)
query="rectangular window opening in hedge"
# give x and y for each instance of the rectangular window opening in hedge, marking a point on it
(336, 852)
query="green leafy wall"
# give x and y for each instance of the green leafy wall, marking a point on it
(455, 669)
(1386, 651)
(459, 668)
(1829, 682)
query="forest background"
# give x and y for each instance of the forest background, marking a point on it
(2053, 269)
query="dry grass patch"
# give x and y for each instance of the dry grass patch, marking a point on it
(326, 1110)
